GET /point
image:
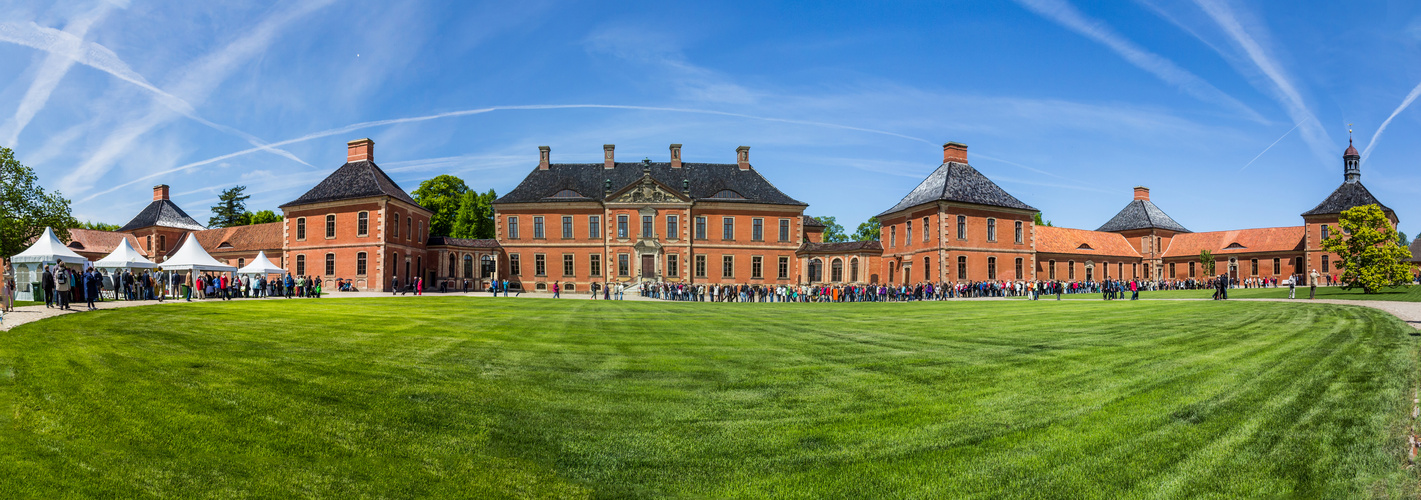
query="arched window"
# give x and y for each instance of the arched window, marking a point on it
(468, 266)
(360, 263)
(854, 270)
(453, 265)
(816, 270)
(241, 263)
(487, 263)
(891, 265)
(836, 270)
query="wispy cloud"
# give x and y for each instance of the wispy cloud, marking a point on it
(1065, 14)
(50, 72)
(1377, 136)
(1280, 83)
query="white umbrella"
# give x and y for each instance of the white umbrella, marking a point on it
(261, 265)
(123, 257)
(192, 257)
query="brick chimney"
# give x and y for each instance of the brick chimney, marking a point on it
(742, 157)
(954, 152)
(160, 192)
(608, 157)
(1142, 193)
(544, 154)
(675, 156)
(360, 150)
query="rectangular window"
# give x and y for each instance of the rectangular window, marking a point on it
(330, 264)
(538, 227)
(162, 243)
(567, 227)
(300, 265)
(362, 224)
(784, 230)
(594, 264)
(784, 268)
(513, 229)
(646, 223)
(1326, 231)
(673, 230)
(1171, 271)
(1018, 233)
(1051, 270)
(409, 227)
(700, 266)
(962, 267)
(395, 233)
(540, 265)
(927, 268)
(1277, 266)
(1191, 269)
(756, 265)
(1018, 265)
(300, 229)
(594, 227)
(567, 265)
(926, 234)
(727, 266)
(673, 265)
(360, 263)
(513, 265)
(991, 230)
(908, 234)
(892, 236)
(622, 226)
(962, 227)
(700, 228)
(1326, 267)
(624, 264)
(757, 229)
(1071, 270)
(727, 228)
(1253, 267)
(991, 267)
(330, 226)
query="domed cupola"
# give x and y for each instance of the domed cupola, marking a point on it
(1351, 161)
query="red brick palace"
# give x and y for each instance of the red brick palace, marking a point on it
(678, 221)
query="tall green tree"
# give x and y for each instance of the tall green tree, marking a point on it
(99, 226)
(261, 217)
(1402, 240)
(1206, 262)
(26, 209)
(485, 226)
(466, 221)
(1037, 219)
(1368, 251)
(833, 232)
(444, 196)
(868, 230)
(231, 208)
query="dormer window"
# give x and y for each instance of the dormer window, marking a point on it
(1234, 246)
(225, 245)
(566, 193)
(1084, 246)
(726, 194)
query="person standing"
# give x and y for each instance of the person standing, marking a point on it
(1312, 284)
(47, 284)
(395, 285)
(61, 287)
(1292, 287)
(557, 289)
(91, 287)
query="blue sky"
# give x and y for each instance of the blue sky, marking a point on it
(1235, 114)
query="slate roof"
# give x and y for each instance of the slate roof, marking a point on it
(841, 247)
(163, 213)
(958, 182)
(588, 180)
(462, 242)
(1416, 250)
(1141, 214)
(1237, 241)
(812, 222)
(1348, 195)
(1064, 240)
(358, 179)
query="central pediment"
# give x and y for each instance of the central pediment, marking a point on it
(647, 190)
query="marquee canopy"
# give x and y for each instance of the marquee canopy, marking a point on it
(192, 257)
(125, 256)
(48, 249)
(261, 265)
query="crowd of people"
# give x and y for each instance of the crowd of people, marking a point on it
(63, 286)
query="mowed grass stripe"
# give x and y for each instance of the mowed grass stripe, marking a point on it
(542, 398)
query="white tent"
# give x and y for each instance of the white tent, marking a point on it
(261, 265)
(124, 257)
(192, 257)
(30, 263)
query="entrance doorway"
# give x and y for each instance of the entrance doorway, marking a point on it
(648, 266)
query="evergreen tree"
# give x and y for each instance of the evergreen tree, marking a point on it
(231, 208)
(25, 209)
(1367, 250)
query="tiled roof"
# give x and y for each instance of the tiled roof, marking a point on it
(462, 242)
(1082, 242)
(1348, 195)
(238, 239)
(101, 242)
(958, 182)
(812, 222)
(1238, 241)
(1141, 214)
(587, 181)
(358, 179)
(163, 213)
(841, 247)
(1416, 249)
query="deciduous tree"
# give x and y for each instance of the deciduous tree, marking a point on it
(26, 209)
(443, 195)
(99, 226)
(868, 230)
(262, 217)
(1206, 262)
(1368, 251)
(833, 232)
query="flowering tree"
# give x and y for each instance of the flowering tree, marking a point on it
(1367, 250)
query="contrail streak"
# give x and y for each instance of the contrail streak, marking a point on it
(469, 112)
(1376, 136)
(1270, 146)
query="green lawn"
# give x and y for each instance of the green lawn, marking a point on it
(1408, 293)
(477, 397)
